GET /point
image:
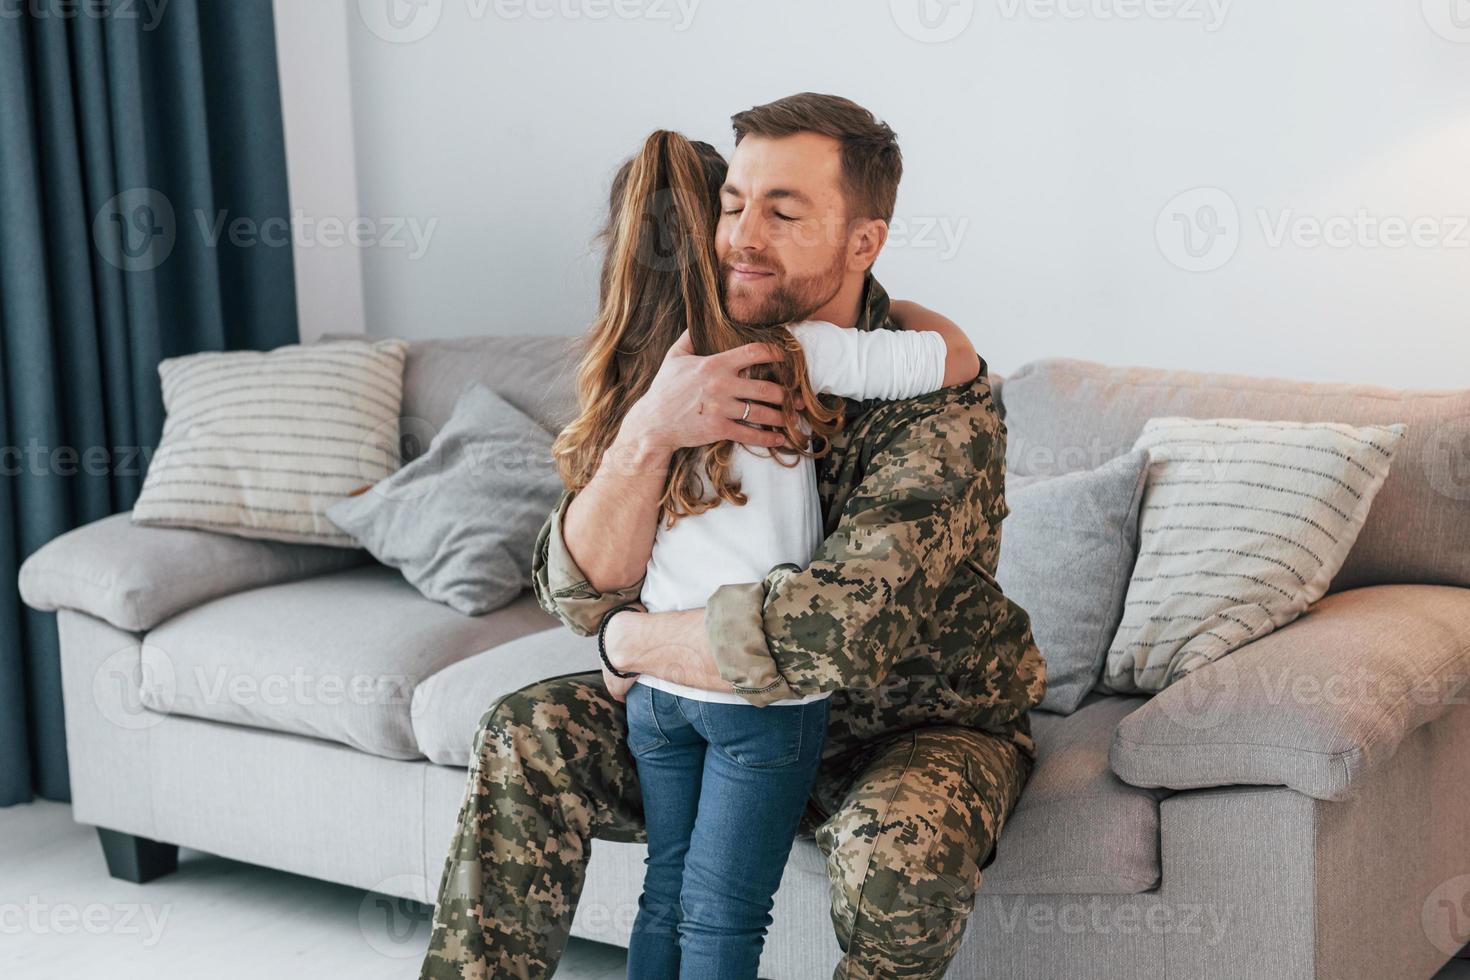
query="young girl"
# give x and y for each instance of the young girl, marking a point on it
(724, 783)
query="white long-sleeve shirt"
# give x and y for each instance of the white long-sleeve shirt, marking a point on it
(781, 520)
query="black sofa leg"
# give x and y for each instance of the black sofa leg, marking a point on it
(137, 859)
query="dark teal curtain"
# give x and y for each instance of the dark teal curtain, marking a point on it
(128, 129)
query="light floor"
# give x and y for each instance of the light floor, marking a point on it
(62, 916)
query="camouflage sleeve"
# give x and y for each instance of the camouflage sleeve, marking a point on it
(560, 586)
(922, 507)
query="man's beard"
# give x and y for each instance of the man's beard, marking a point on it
(793, 299)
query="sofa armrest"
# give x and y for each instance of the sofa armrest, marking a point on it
(1315, 705)
(135, 577)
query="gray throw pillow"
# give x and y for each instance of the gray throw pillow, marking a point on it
(1066, 553)
(461, 520)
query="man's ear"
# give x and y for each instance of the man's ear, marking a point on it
(864, 242)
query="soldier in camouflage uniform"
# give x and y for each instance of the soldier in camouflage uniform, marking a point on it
(932, 670)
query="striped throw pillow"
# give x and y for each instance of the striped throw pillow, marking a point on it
(260, 443)
(1243, 526)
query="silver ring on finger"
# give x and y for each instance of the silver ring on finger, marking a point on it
(746, 415)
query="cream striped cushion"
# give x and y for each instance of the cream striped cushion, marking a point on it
(260, 443)
(1243, 526)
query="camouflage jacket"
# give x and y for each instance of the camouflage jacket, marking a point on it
(899, 613)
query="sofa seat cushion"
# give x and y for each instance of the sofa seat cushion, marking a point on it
(335, 657)
(448, 706)
(1078, 829)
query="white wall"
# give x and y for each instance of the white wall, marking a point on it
(1044, 144)
(312, 40)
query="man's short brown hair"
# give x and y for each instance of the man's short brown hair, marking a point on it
(871, 163)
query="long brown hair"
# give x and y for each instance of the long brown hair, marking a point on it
(659, 278)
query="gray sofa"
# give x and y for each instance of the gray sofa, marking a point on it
(1300, 810)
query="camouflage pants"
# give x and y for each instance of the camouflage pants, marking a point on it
(907, 826)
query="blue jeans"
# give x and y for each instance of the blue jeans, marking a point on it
(724, 786)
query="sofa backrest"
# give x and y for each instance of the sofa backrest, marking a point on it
(535, 374)
(1065, 415)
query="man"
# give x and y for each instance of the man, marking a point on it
(931, 668)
